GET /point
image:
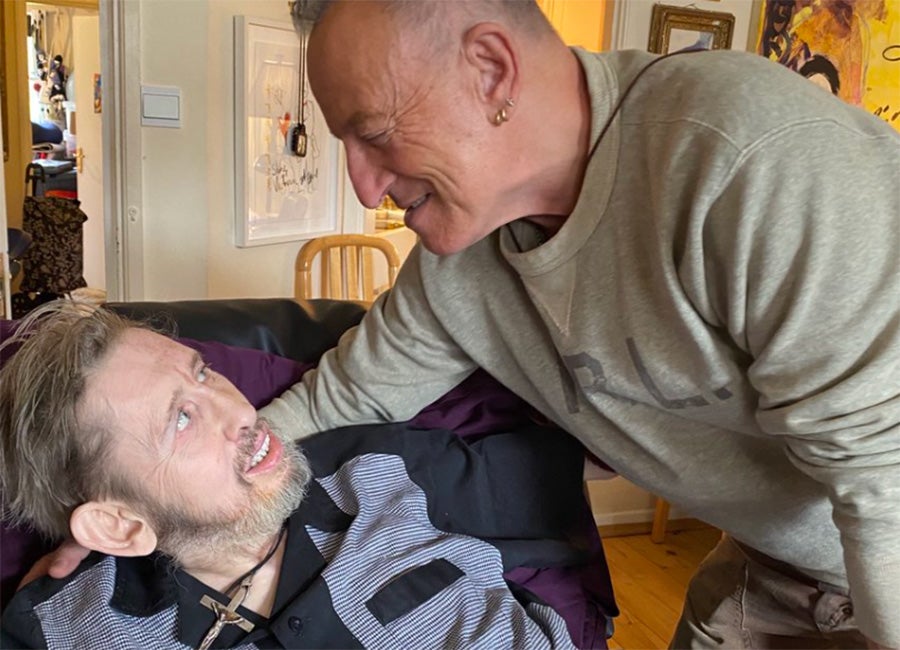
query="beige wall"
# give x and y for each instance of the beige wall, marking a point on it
(175, 164)
(188, 187)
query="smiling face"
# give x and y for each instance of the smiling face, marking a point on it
(413, 118)
(207, 469)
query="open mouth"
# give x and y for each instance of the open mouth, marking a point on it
(261, 454)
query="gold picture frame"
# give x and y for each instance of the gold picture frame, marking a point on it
(681, 28)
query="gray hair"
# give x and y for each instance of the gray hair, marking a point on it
(52, 459)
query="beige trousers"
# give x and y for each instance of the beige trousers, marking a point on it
(740, 598)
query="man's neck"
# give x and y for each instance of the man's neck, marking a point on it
(558, 154)
(221, 568)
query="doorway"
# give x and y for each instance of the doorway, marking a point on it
(110, 243)
(65, 111)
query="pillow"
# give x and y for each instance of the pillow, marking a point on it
(260, 376)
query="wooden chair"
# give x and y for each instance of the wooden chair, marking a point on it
(660, 520)
(345, 267)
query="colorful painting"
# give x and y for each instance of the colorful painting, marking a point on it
(849, 47)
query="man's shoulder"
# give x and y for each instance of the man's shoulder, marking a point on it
(739, 97)
(22, 615)
(93, 569)
(100, 589)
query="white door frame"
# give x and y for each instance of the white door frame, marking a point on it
(120, 39)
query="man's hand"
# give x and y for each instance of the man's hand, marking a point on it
(57, 564)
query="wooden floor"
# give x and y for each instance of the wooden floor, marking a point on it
(650, 580)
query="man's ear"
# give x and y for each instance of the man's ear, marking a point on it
(113, 528)
(493, 53)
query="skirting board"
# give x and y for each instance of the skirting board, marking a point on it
(631, 516)
(644, 527)
(640, 522)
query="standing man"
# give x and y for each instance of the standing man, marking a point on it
(691, 263)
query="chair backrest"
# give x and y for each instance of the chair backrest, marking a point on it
(345, 268)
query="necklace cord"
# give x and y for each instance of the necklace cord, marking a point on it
(234, 585)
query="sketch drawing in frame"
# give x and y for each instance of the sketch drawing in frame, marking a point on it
(675, 29)
(279, 196)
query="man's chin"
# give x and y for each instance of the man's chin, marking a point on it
(443, 244)
(264, 509)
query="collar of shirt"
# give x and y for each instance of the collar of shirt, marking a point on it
(148, 585)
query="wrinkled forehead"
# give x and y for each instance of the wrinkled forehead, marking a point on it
(350, 29)
(354, 41)
(144, 351)
(135, 376)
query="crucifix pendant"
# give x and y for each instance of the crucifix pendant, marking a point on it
(226, 615)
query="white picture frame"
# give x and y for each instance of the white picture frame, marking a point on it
(279, 197)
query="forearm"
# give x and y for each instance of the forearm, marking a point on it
(397, 361)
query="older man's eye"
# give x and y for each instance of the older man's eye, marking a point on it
(378, 138)
(203, 374)
(182, 421)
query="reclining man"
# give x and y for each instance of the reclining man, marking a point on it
(213, 532)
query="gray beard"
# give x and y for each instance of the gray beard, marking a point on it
(191, 539)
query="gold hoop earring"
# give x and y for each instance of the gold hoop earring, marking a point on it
(501, 117)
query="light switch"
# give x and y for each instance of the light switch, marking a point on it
(161, 106)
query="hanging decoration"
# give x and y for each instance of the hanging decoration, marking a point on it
(298, 140)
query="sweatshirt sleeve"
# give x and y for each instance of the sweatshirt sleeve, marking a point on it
(808, 284)
(395, 362)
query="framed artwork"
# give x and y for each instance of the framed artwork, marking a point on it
(852, 50)
(673, 29)
(279, 196)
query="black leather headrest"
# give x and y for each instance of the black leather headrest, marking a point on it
(298, 330)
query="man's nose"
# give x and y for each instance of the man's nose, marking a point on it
(236, 414)
(371, 179)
